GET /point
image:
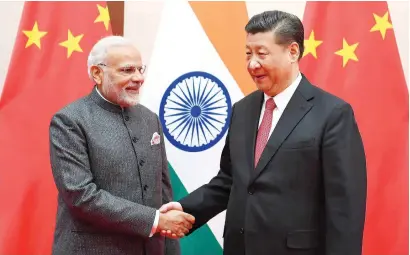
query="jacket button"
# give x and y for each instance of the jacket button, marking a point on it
(241, 231)
(145, 187)
(251, 190)
(134, 139)
(142, 162)
(127, 118)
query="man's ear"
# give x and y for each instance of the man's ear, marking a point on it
(97, 74)
(294, 52)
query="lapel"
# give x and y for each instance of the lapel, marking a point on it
(296, 109)
(251, 127)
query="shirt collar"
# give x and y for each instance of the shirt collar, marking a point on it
(282, 99)
(103, 96)
(104, 103)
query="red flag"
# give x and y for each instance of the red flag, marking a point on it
(48, 69)
(351, 51)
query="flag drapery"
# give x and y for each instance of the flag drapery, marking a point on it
(351, 51)
(48, 70)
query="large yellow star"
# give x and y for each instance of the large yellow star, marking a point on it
(382, 24)
(347, 52)
(72, 44)
(311, 44)
(34, 36)
(104, 16)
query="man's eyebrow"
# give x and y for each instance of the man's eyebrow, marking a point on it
(128, 65)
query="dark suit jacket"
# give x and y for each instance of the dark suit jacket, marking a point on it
(307, 195)
(110, 179)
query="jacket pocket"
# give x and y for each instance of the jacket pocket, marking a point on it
(302, 239)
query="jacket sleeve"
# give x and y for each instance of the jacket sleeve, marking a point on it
(74, 180)
(344, 175)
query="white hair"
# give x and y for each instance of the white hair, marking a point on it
(99, 51)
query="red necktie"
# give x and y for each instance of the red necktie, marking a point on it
(264, 129)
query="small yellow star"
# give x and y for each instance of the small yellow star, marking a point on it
(34, 36)
(104, 16)
(311, 44)
(382, 24)
(72, 44)
(347, 52)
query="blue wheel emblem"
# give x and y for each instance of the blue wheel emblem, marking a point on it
(195, 111)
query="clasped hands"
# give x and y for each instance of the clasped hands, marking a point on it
(173, 222)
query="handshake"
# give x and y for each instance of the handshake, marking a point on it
(173, 222)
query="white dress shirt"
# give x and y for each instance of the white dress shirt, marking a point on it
(281, 101)
(155, 225)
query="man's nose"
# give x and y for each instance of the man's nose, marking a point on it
(137, 77)
(253, 64)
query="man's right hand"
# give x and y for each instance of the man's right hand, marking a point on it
(176, 222)
(171, 206)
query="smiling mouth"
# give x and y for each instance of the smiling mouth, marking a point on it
(259, 77)
(133, 89)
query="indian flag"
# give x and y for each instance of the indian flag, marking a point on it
(192, 89)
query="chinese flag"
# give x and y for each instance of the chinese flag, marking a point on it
(48, 70)
(351, 51)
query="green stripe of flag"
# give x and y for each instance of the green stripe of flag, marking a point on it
(202, 241)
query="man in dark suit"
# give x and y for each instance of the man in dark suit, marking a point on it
(109, 164)
(293, 172)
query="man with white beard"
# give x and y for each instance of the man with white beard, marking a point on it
(109, 164)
